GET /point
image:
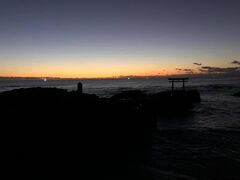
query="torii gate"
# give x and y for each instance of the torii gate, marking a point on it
(181, 80)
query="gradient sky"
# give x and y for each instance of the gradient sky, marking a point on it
(104, 38)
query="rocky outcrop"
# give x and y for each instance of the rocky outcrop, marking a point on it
(237, 94)
(70, 134)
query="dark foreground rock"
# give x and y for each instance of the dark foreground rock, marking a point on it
(237, 94)
(168, 102)
(55, 134)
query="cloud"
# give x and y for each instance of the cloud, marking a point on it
(236, 62)
(198, 64)
(185, 70)
(209, 69)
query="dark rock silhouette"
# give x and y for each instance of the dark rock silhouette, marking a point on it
(132, 94)
(237, 94)
(58, 134)
(178, 101)
(61, 134)
(162, 102)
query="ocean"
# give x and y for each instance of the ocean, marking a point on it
(205, 144)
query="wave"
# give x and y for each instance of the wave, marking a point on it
(195, 154)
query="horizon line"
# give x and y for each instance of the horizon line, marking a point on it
(114, 77)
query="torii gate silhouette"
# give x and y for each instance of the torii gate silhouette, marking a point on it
(181, 80)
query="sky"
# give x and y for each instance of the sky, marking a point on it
(111, 38)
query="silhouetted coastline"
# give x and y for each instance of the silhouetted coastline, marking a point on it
(131, 134)
(67, 134)
(237, 94)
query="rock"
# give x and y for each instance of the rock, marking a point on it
(237, 94)
(177, 101)
(76, 132)
(133, 94)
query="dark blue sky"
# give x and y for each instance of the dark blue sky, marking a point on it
(93, 38)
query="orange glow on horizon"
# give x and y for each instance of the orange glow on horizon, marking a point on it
(87, 71)
(103, 68)
(69, 75)
(92, 73)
